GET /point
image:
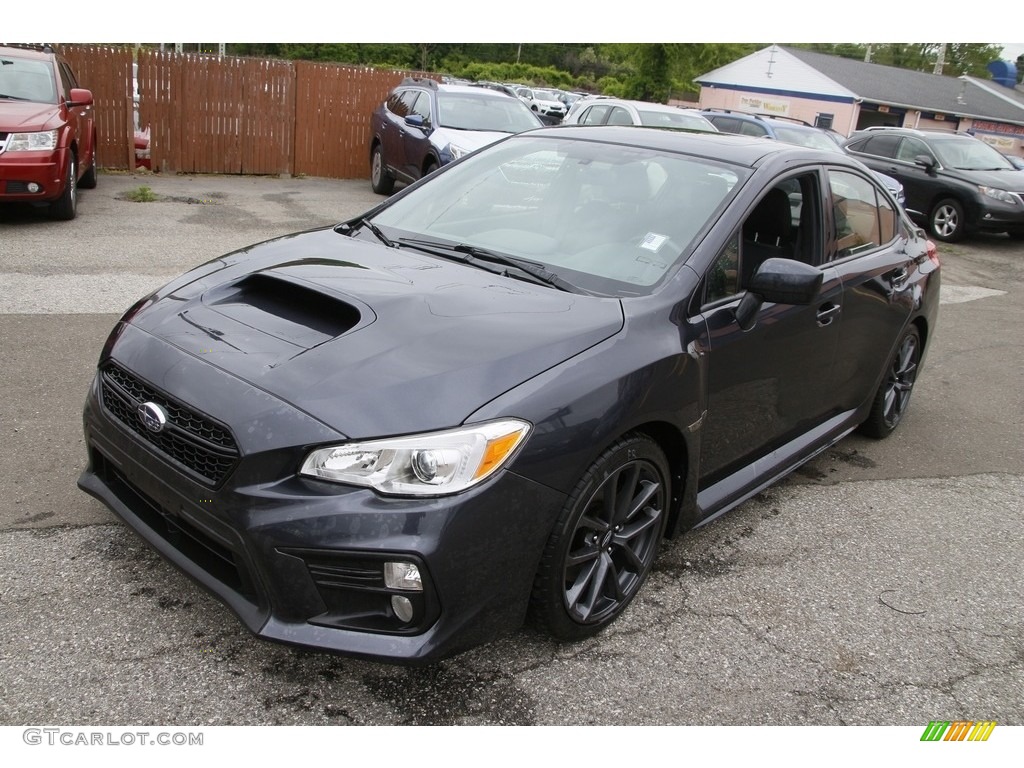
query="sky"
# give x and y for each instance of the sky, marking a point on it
(473, 21)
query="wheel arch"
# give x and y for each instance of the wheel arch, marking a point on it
(673, 444)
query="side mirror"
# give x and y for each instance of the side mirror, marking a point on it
(416, 121)
(927, 162)
(780, 281)
(80, 97)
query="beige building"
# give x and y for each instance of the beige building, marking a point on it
(847, 95)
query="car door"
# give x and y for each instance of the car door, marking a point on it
(416, 141)
(80, 119)
(771, 383)
(869, 249)
(393, 129)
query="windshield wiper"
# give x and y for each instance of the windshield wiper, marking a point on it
(534, 270)
(348, 229)
(488, 260)
(12, 98)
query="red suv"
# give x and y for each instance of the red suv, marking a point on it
(47, 130)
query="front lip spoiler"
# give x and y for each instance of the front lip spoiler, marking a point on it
(410, 650)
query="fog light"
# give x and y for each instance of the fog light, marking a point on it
(402, 606)
(402, 576)
(33, 187)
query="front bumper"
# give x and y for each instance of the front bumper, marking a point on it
(19, 169)
(300, 561)
(999, 216)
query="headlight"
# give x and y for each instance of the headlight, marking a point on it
(999, 194)
(456, 151)
(432, 464)
(37, 141)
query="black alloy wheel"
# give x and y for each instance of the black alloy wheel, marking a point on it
(893, 396)
(605, 541)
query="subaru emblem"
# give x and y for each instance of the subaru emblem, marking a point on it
(153, 417)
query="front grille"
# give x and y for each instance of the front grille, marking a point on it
(194, 441)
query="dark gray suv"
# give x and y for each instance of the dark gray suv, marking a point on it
(954, 182)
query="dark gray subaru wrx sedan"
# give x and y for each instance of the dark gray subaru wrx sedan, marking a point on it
(496, 393)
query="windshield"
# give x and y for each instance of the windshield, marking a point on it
(540, 93)
(676, 119)
(808, 138)
(607, 218)
(967, 154)
(484, 111)
(27, 80)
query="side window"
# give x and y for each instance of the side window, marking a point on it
(863, 218)
(724, 276)
(68, 79)
(784, 224)
(911, 148)
(752, 129)
(595, 115)
(421, 106)
(396, 105)
(880, 146)
(725, 124)
(619, 116)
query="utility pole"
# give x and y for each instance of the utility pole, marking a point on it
(940, 60)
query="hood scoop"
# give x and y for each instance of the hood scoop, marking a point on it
(287, 308)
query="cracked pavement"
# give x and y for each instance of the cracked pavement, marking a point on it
(878, 585)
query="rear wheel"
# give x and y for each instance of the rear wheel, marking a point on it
(66, 206)
(893, 395)
(605, 541)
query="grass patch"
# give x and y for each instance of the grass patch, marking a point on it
(141, 194)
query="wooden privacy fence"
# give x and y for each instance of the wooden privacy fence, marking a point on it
(208, 114)
(107, 72)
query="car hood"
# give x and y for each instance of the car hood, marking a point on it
(1008, 179)
(26, 115)
(371, 340)
(468, 140)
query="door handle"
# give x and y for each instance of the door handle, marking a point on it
(827, 313)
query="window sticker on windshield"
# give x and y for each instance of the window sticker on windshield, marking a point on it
(653, 242)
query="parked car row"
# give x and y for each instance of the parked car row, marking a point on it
(47, 131)
(791, 131)
(424, 124)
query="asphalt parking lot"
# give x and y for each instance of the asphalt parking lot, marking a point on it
(879, 585)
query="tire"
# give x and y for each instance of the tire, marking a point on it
(430, 167)
(946, 221)
(893, 395)
(602, 547)
(88, 180)
(382, 182)
(65, 207)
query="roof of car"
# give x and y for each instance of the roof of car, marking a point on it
(733, 148)
(28, 52)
